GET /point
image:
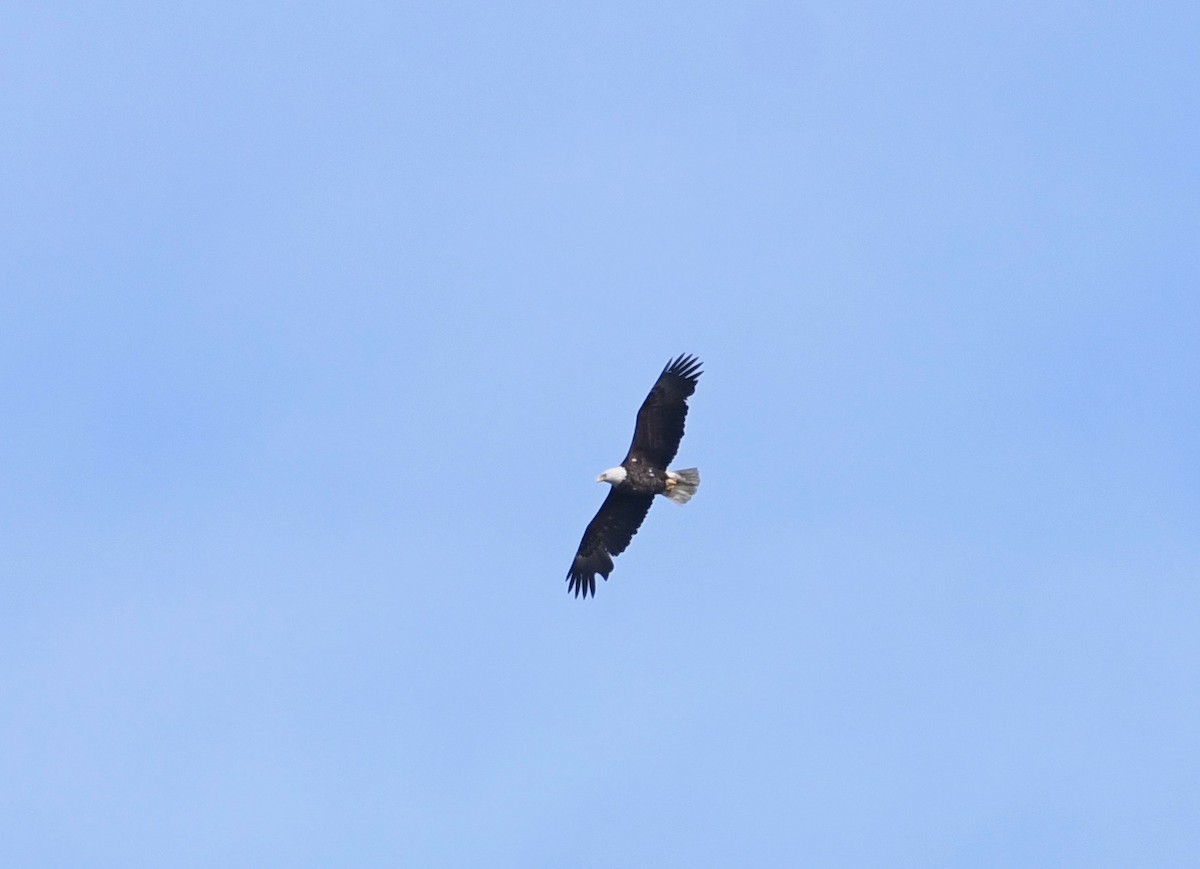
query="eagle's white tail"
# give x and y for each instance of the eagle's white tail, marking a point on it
(681, 485)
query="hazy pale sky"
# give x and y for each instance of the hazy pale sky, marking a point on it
(319, 321)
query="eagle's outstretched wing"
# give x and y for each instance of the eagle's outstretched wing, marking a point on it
(660, 419)
(614, 525)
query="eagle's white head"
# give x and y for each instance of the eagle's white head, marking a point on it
(612, 475)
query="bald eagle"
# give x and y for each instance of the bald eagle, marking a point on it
(642, 475)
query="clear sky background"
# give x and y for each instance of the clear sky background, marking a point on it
(319, 320)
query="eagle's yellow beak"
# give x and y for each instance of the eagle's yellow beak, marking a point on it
(600, 479)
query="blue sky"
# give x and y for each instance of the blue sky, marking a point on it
(320, 320)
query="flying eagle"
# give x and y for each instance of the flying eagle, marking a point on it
(640, 476)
